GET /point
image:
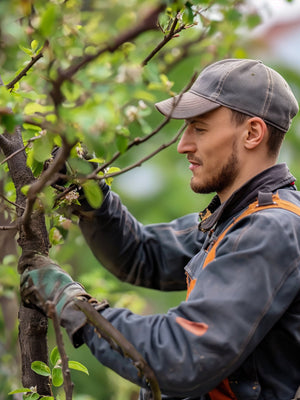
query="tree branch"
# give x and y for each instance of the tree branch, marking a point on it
(9, 228)
(20, 150)
(32, 324)
(185, 51)
(68, 384)
(148, 23)
(135, 142)
(172, 33)
(94, 175)
(47, 176)
(24, 71)
(4, 143)
(119, 343)
(138, 141)
(11, 202)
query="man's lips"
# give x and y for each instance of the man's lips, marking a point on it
(194, 163)
(193, 166)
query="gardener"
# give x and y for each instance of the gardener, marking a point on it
(237, 336)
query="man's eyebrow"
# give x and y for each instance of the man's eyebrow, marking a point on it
(196, 121)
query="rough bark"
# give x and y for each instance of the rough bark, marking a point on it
(8, 304)
(32, 324)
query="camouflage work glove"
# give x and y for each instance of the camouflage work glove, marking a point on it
(43, 283)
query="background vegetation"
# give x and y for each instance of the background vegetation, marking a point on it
(85, 83)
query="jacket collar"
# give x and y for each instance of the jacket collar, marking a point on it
(269, 180)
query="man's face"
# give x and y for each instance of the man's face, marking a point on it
(211, 143)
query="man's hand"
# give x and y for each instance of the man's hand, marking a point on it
(79, 206)
(43, 283)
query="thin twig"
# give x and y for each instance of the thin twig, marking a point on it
(184, 51)
(56, 128)
(46, 178)
(173, 32)
(147, 24)
(135, 142)
(8, 228)
(24, 71)
(11, 202)
(118, 341)
(140, 162)
(21, 149)
(4, 142)
(138, 141)
(68, 384)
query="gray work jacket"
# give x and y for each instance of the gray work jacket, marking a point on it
(239, 329)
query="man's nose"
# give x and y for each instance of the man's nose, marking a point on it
(186, 143)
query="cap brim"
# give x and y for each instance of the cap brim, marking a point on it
(185, 106)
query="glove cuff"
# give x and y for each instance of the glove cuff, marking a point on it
(73, 319)
(69, 291)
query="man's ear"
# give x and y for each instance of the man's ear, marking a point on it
(256, 132)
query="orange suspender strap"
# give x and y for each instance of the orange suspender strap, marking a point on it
(190, 286)
(223, 390)
(253, 207)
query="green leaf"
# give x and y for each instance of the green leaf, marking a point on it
(48, 22)
(78, 367)
(80, 166)
(253, 20)
(42, 148)
(57, 377)
(54, 356)
(34, 45)
(47, 197)
(189, 12)
(20, 390)
(9, 259)
(111, 170)
(233, 15)
(123, 130)
(31, 127)
(36, 166)
(144, 95)
(9, 276)
(25, 50)
(55, 237)
(32, 108)
(122, 143)
(24, 189)
(93, 193)
(32, 396)
(40, 368)
(96, 160)
(10, 191)
(10, 121)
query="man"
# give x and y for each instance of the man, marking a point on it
(237, 336)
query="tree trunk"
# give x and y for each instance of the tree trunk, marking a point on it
(8, 303)
(32, 324)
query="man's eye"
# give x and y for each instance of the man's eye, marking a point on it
(197, 129)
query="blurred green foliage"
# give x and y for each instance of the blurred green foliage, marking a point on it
(107, 104)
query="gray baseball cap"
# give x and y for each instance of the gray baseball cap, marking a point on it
(243, 85)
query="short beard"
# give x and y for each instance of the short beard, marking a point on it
(221, 180)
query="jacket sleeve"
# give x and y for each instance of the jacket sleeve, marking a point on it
(236, 300)
(152, 256)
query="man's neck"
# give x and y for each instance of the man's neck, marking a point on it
(247, 173)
